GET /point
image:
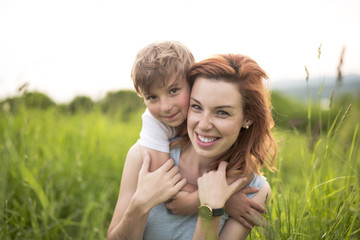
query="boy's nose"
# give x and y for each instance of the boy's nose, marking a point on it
(166, 105)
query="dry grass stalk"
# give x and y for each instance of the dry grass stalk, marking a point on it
(343, 119)
(307, 74)
(339, 76)
(319, 51)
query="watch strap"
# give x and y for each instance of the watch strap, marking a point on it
(206, 212)
(217, 212)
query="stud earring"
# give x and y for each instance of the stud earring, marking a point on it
(247, 127)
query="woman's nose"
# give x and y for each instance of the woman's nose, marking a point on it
(205, 122)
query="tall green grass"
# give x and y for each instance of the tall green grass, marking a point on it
(315, 194)
(60, 173)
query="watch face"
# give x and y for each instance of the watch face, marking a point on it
(205, 212)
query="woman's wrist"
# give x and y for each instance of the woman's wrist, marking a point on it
(141, 204)
(213, 204)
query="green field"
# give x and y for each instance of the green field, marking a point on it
(60, 170)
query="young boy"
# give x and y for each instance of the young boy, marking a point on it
(159, 76)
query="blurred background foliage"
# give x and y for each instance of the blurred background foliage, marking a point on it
(120, 104)
(288, 113)
(60, 165)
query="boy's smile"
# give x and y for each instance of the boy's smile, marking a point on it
(171, 117)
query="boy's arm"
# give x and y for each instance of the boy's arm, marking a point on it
(233, 229)
(245, 210)
(158, 158)
(154, 137)
(185, 202)
(241, 208)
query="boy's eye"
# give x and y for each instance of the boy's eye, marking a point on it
(152, 97)
(174, 90)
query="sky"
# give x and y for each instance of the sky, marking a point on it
(67, 48)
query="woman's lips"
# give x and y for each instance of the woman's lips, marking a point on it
(205, 141)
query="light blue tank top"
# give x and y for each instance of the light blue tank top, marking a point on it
(162, 224)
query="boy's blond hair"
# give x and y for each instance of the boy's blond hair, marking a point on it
(158, 63)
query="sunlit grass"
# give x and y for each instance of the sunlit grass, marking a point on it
(316, 191)
(60, 173)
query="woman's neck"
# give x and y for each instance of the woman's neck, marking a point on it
(192, 165)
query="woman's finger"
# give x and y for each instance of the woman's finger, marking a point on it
(177, 187)
(146, 162)
(222, 166)
(173, 171)
(167, 165)
(176, 178)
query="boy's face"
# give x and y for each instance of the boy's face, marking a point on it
(169, 104)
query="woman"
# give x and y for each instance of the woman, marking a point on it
(228, 141)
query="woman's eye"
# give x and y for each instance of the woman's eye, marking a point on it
(195, 107)
(223, 113)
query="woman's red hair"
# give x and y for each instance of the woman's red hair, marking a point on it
(255, 147)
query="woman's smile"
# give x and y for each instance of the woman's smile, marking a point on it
(204, 141)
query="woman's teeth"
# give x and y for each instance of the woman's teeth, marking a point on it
(205, 139)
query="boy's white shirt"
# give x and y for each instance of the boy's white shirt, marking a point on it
(155, 134)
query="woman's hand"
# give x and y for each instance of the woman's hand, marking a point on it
(214, 189)
(158, 186)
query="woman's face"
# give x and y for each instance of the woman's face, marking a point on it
(215, 116)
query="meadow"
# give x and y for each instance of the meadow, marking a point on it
(61, 166)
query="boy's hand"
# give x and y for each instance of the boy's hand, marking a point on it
(185, 202)
(245, 210)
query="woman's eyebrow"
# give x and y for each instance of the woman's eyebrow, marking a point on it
(216, 107)
(197, 101)
(224, 106)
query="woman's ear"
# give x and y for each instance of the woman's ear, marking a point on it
(247, 123)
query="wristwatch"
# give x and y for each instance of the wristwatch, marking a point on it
(206, 212)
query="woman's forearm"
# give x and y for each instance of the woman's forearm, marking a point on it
(132, 224)
(151, 188)
(207, 229)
